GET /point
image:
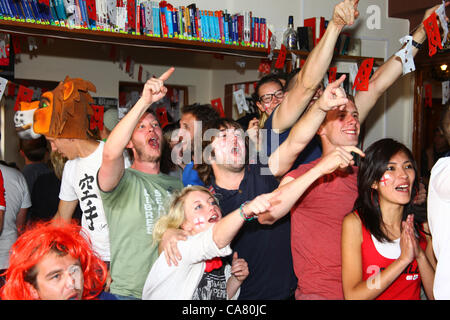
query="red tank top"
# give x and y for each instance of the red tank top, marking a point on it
(405, 287)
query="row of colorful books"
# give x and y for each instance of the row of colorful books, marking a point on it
(142, 17)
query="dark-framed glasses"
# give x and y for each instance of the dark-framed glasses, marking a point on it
(267, 98)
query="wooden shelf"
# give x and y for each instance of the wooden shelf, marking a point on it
(95, 36)
(52, 31)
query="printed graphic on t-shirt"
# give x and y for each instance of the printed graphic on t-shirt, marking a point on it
(89, 209)
(212, 286)
(152, 215)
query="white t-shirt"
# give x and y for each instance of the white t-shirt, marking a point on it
(439, 224)
(17, 197)
(79, 182)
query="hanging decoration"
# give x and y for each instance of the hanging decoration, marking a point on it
(361, 82)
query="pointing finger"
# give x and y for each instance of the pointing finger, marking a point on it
(166, 75)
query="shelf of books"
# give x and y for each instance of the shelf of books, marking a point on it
(143, 23)
(137, 22)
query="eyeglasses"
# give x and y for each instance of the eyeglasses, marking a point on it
(267, 98)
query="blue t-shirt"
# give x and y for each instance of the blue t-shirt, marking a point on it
(190, 176)
(312, 151)
(266, 248)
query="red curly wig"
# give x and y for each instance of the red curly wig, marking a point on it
(41, 239)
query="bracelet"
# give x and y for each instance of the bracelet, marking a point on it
(417, 45)
(243, 215)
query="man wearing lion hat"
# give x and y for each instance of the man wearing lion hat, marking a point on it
(63, 117)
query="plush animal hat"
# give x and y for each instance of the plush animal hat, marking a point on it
(65, 111)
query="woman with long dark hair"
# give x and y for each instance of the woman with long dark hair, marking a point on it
(386, 247)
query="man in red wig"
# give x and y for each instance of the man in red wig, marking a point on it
(54, 261)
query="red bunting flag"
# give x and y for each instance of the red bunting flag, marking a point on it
(24, 94)
(217, 104)
(264, 67)
(433, 35)
(428, 95)
(97, 118)
(161, 114)
(279, 64)
(362, 78)
(332, 74)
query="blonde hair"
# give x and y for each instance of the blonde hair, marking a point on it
(58, 161)
(175, 215)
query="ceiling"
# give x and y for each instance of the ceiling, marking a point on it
(414, 11)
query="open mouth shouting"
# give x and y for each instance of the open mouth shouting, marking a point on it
(153, 142)
(402, 188)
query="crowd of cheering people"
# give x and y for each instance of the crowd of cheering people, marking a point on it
(286, 206)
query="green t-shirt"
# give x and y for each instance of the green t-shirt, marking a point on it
(132, 209)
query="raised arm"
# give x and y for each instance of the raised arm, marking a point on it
(226, 229)
(113, 167)
(292, 189)
(387, 74)
(315, 67)
(306, 127)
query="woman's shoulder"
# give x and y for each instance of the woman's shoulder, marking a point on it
(352, 221)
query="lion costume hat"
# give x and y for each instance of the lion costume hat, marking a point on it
(65, 111)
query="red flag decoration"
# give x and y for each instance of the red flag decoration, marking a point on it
(161, 114)
(24, 94)
(91, 10)
(332, 74)
(264, 66)
(217, 104)
(433, 35)
(428, 96)
(302, 62)
(279, 64)
(97, 118)
(362, 78)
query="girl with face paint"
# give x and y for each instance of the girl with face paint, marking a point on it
(201, 274)
(386, 247)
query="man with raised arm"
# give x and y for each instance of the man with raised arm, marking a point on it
(305, 87)
(134, 198)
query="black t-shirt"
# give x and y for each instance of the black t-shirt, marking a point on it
(266, 248)
(212, 286)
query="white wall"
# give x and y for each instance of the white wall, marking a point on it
(207, 76)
